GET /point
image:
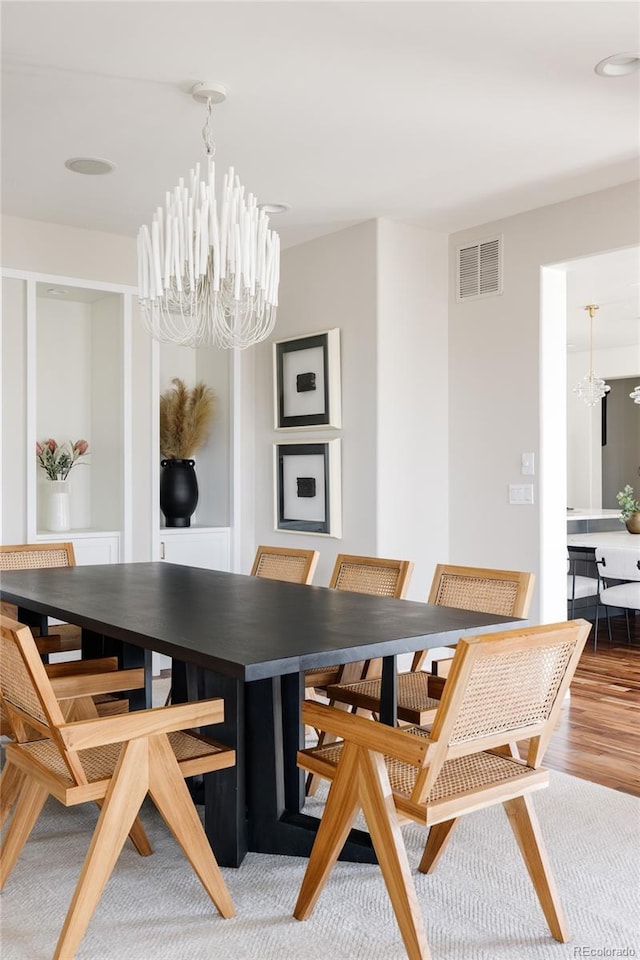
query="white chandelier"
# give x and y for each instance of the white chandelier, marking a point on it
(208, 273)
(635, 394)
(591, 389)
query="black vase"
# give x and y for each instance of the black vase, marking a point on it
(178, 492)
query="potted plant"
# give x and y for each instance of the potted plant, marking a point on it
(185, 417)
(57, 461)
(629, 509)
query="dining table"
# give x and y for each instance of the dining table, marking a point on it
(248, 640)
(605, 539)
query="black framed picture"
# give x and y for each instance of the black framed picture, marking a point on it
(306, 373)
(307, 487)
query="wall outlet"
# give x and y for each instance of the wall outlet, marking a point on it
(521, 494)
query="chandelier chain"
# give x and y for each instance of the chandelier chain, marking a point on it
(207, 131)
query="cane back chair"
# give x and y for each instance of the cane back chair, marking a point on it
(36, 556)
(285, 563)
(373, 575)
(505, 592)
(358, 574)
(67, 637)
(502, 686)
(113, 761)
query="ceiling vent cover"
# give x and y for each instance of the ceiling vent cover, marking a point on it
(479, 270)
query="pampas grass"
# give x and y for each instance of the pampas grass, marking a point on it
(185, 416)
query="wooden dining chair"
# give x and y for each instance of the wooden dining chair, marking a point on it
(505, 592)
(359, 574)
(378, 576)
(113, 761)
(501, 686)
(36, 556)
(285, 563)
(67, 636)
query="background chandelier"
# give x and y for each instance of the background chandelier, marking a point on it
(635, 394)
(591, 389)
(208, 272)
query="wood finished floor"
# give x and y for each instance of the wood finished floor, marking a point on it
(597, 738)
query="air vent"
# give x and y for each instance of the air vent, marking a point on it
(479, 270)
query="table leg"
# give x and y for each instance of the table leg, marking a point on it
(225, 817)
(129, 657)
(389, 691)
(293, 739)
(274, 785)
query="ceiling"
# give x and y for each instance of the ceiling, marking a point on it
(440, 114)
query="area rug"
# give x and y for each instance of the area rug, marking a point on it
(478, 905)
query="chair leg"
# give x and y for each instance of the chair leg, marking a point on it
(10, 783)
(124, 798)
(595, 634)
(439, 836)
(137, 835)
(339, 814)
(609, 625)
(380, 813)
(626, 615)
(170, 794)
(28, 806)
(526, 828)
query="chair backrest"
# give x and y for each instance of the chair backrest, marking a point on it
(27, 693)
(285, 563)
(33, 556)
(506, 592)
(375, 575)
(502, 688)
(616, 563)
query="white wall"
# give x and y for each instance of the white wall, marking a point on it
(495, 380)
(325, 283)
(384, 285)
(413, 423)
(14, 413)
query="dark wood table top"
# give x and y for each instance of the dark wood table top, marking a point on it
(241, 626)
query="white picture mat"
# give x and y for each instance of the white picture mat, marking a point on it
(303, 508)
(308, 402)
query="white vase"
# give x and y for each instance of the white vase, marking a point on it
(58, 516)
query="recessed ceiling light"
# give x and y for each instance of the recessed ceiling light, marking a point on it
(56, 292)
(274, 207)
(618, 65)
(92, 166)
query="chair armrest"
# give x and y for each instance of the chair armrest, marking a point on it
(141, 723)
(92, 685)
(73, 668)
(391, 741)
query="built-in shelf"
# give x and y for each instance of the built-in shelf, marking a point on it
(79, 387)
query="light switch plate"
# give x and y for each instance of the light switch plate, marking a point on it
(527, 468)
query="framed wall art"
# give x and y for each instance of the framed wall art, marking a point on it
(306, 373)
(307, 487)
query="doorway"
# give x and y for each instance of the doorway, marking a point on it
(571, 437)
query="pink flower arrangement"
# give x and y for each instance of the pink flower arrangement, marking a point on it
(57, 459)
